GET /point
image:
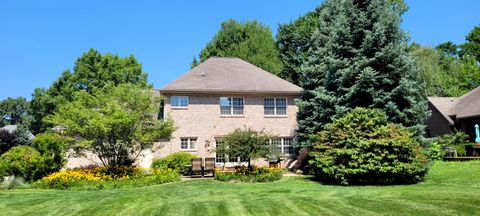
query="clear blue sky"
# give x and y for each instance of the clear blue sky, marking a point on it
(40, 39)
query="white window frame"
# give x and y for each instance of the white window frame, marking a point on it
(179, 105)
(189, 143)
(231, 106)
(275, 107)
(282, 145)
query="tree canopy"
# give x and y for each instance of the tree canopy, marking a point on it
(448, 69)
(114, 123)
(92, 71)
(250, 41)
(359, 58)
(14, 111)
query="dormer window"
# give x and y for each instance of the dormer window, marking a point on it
(179, 101)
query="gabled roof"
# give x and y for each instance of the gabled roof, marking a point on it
(465, 106)
(13, 128)
(229, 75)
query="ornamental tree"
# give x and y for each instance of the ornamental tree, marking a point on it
(92, 72)
(359, 58)
(248, 144)
(116, 124)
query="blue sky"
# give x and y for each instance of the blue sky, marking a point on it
(40, 39)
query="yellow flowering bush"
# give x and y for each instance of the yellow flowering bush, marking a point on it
(252, 174)
(110, 177)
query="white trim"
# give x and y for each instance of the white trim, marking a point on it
(231, 107)
(189, 143)
(275, 114)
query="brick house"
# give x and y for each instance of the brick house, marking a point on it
(220, 95)
(213, 99)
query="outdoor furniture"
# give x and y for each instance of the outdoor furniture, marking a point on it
(196, 167)
(451, 152)
(209, 166)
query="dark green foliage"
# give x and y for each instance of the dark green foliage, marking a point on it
(472, 46)
(8, 140)
(92, 72)
(22, 161)
(359, 58)
(176, 161)
(53, 149)
(250, 41)
(13, 111)
(247, 143)
(293, 42)
(363, 148)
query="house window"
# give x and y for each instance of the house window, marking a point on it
(219, 158)
(180, 101)
(231, 106)
(284, 145)
(275, 106)
(188, 144)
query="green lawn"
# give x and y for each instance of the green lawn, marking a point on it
(451, 189)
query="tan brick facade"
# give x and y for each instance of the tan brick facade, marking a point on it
(202, 120)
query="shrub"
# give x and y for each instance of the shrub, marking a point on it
(457, 140)
(253, 174)
(106, 178)
(52, 147)
(363, 148)
(176, 161)
(23, 161)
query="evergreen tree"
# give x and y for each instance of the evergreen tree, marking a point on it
(359, 58)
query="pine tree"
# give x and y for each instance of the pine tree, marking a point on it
(359, 58)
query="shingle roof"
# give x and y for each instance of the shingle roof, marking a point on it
(468, 105)
(445, 105)
(220, 74)
(465, 106)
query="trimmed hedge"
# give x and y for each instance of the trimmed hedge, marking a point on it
(176, 161)
(362, 147)
(254, 174)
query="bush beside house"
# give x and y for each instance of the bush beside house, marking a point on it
(176, 161)
(363, 148)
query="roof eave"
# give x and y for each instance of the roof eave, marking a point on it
(230, 92)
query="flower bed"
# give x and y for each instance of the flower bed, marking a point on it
(254, 174)
(100, 178)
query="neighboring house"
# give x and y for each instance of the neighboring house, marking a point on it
(450, 114)
(13, 128)
(220, 95)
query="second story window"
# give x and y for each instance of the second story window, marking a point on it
(231, 106)
(179, 101)
(275, 106)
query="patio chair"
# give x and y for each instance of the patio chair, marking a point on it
(209, 166)
(451, 152)
(196, 167)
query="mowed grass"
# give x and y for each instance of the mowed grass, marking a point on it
(451, 188)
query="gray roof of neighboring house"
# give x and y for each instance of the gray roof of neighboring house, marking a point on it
(220, 74)
(12, 128)
(465, 106)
